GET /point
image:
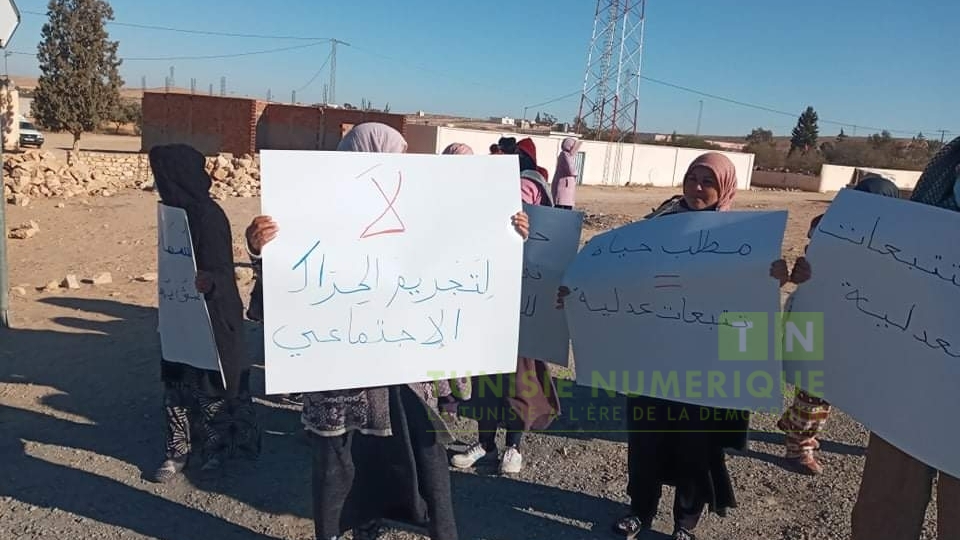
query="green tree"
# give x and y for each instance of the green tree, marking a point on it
(760, 136)
(804, 136)
(79, 85)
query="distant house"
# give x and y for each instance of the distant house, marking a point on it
(504, 120)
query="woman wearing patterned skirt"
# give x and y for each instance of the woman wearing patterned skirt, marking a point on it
(204, 418)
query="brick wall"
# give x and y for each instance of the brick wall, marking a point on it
(288, 127)
(214, 124)
(211, 124)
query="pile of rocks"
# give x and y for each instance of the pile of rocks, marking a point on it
(234, 177)
(35, 174)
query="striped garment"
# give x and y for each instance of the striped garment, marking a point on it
(802, 422)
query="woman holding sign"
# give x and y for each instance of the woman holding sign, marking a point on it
(195, 400)
(674, 443)
(378, 453)
(529, 399)
(896, 488)
(804, 420)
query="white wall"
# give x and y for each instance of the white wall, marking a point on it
(639, 164)
(836, 177)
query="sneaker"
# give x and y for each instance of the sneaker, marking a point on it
(169, 469)
(473, 454)
(683, 534)
(512, 461)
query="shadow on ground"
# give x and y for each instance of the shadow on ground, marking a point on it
(108, 374)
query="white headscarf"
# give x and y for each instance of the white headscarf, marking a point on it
(373, 137)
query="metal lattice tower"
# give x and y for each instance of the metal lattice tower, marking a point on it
(610, 101)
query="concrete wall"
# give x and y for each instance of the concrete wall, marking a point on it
(210, 124)
(836, 177)
(635, 164)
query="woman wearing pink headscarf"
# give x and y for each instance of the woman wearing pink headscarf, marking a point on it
(674, 443)
(565, 177)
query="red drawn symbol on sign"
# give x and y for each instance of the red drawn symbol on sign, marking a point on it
(390, 209)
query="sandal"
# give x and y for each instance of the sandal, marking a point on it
(169, 469)
(630, 527)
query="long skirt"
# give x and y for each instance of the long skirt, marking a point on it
(359, 479)
(201, 420)
(683, 446)
(523, 401)
(894, 493)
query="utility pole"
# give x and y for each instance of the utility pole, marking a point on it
(699, 117)
(269, 96)
(223, 86)
(211, 89)
(143, 83)
(943, 133)
(293, 97)
(9, 21)
(173, 81)
(193, 85)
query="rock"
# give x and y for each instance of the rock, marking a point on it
(19, 291)
(50, 287)
(71, 282)
(102, 278)
(60, 205)
(19, 199)
(149, 277)
(24, 231)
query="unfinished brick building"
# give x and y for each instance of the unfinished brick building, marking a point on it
(215, 124)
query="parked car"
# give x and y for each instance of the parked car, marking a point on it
(30, 135)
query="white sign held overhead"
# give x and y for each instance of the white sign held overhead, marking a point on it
(9, 21)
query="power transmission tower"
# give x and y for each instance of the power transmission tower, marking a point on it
(326, 87)
(173, 81)
(269, 95)
(223, 86)
(610, 101)
(293, 97)
(166, 84)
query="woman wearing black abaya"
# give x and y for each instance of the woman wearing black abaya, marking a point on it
(203, 417)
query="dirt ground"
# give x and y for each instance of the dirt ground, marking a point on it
(80, 414)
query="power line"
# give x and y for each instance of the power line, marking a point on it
(198, 32)
(317, 74)
(203, 57)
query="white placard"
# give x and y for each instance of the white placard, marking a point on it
(658, 306)
(551, 247)
(886, 276)
(389, 268)
(186, 335)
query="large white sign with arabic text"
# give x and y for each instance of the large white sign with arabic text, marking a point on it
(389, 268)
(886, 276)
(681, 307)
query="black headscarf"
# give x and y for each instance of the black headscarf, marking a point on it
(878, 185)
(182, 181)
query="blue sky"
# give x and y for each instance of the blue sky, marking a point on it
(879, 63)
